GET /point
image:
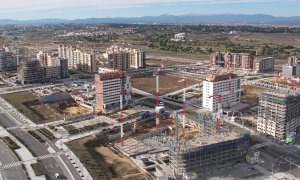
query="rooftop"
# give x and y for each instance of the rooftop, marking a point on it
(211, 77)
(110, 75)
(121, 49)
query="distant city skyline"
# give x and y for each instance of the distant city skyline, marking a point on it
(80, 9)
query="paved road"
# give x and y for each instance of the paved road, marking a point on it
(63, 157)
(49, 166)
(281, 157)
(7, 157)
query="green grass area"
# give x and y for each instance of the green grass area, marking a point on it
(29, 105)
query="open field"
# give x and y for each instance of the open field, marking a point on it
(167, 83)
(159, 62)
(76, 110)
(272, 38)
(104, 162)
(29, 105)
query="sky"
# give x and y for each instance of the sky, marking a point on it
(80, 9)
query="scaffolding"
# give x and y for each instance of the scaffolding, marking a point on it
(204, 158)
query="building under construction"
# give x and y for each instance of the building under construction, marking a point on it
(203, 149)
(278, 113)
(208, 153)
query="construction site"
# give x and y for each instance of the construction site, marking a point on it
(163, 141)
(184, 150)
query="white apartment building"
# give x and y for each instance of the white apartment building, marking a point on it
(226, 85)
(124, 58)
(109, 85)
(78, 59)
(137, 59)
(47, 59)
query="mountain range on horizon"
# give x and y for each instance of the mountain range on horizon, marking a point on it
(172, 19)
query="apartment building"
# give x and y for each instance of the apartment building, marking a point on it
(8, 61)
(124, 58)
(293, 60)
(137, 59)
(78, 59)
(278, 113)
(236, 60)
(34, 72)
(262, 65)
(109, 85)
(48, 59)
(31, 72)
(288, 71)
(227, 85)
(52, 73)
(217, 59)
(64, 70)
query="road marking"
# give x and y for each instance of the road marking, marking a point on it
(7, 166)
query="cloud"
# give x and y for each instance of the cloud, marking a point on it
(30, 5)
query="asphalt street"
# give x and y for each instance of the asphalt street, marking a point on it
(50, 165)
(280, 157)
(7, 157)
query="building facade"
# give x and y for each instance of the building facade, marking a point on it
(236, 60)
(226, 85)
(48, 59)
(64, 70)
(31, 72)
(137, 59)
(293, 60)
(263, 65)
(52, 73)
(8, 61)
(278, 113)
(288, 71)
(78, 59)
(109, 85)
(124, 58)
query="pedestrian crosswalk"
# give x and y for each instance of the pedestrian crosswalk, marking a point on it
(15, 164)
(50, 155)
(7, 166)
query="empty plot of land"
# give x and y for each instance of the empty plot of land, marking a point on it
(76, 110)
(29, 105)
(159, 62)
(167, 83)
(104, 162)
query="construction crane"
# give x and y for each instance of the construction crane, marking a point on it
(18, 51)
(219, 110)
(122, 93)
(156, 74)
(184, 82)
(219, 96)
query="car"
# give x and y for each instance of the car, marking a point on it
(57, 175)
(261, 162)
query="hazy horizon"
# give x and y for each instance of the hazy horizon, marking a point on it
(82, 9)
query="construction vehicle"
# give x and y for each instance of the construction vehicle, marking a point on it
(290, 138)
